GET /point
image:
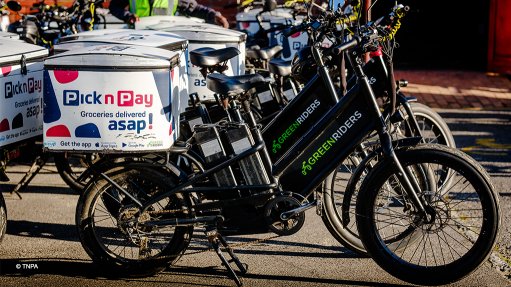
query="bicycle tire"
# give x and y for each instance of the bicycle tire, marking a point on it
(458, 220)
(3, 217)
(96, 235)
(347, 234)
(71, 169)
(424, 113)
(433, 129)
(331, 216)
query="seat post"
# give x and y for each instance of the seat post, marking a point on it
(258, 136)
(235, 108)
(280, 94)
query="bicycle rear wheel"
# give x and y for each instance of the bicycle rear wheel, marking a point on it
(111, 228)
(460, 234)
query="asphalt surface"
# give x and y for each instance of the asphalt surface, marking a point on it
(41, 247)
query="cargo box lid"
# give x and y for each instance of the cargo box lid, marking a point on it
(9, 35)
(201, 32)
(114, 56)
(12, 51)
(89, 34)
(150, 38)
(74, 45)
(152, 20)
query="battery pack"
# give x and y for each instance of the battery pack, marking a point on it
(208, 139)
(193, 116)
(252, 168)
(265, 101)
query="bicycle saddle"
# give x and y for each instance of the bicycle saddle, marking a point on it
(270, 52)
(280, 67)
(252, 52)
(233, 85)
(208, 57)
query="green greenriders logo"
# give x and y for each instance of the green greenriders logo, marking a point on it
(325, 147)
(277, 144)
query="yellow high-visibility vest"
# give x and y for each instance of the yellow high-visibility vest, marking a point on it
(160, 7)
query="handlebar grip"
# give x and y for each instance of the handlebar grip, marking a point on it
(343, 47)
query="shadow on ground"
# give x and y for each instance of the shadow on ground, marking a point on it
(85, 269)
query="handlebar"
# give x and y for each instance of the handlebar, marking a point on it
(366, 36)
(295, 29)
(343, 47)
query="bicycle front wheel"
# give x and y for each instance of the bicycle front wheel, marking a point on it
(457, 238)
(339, 203)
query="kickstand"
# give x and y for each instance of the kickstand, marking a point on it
(38, 163)
(215, 239)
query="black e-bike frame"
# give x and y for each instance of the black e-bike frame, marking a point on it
(321, 143)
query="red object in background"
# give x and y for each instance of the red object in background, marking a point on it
(218, 5)
(376, 53)
(499, 40)
(26, 4)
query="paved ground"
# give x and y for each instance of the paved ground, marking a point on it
(42, 249)
(458, 89)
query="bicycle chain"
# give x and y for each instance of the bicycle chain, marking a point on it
(166, 211)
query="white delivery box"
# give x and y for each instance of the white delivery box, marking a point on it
(111, 98)
(144, 22)
(8, 35)
(247, 21)
(21, 90)
(90, 34)
(150, 38)
(212, 36)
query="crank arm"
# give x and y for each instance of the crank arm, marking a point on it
(288, 214)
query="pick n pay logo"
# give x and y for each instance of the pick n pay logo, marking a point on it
(121, 99)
